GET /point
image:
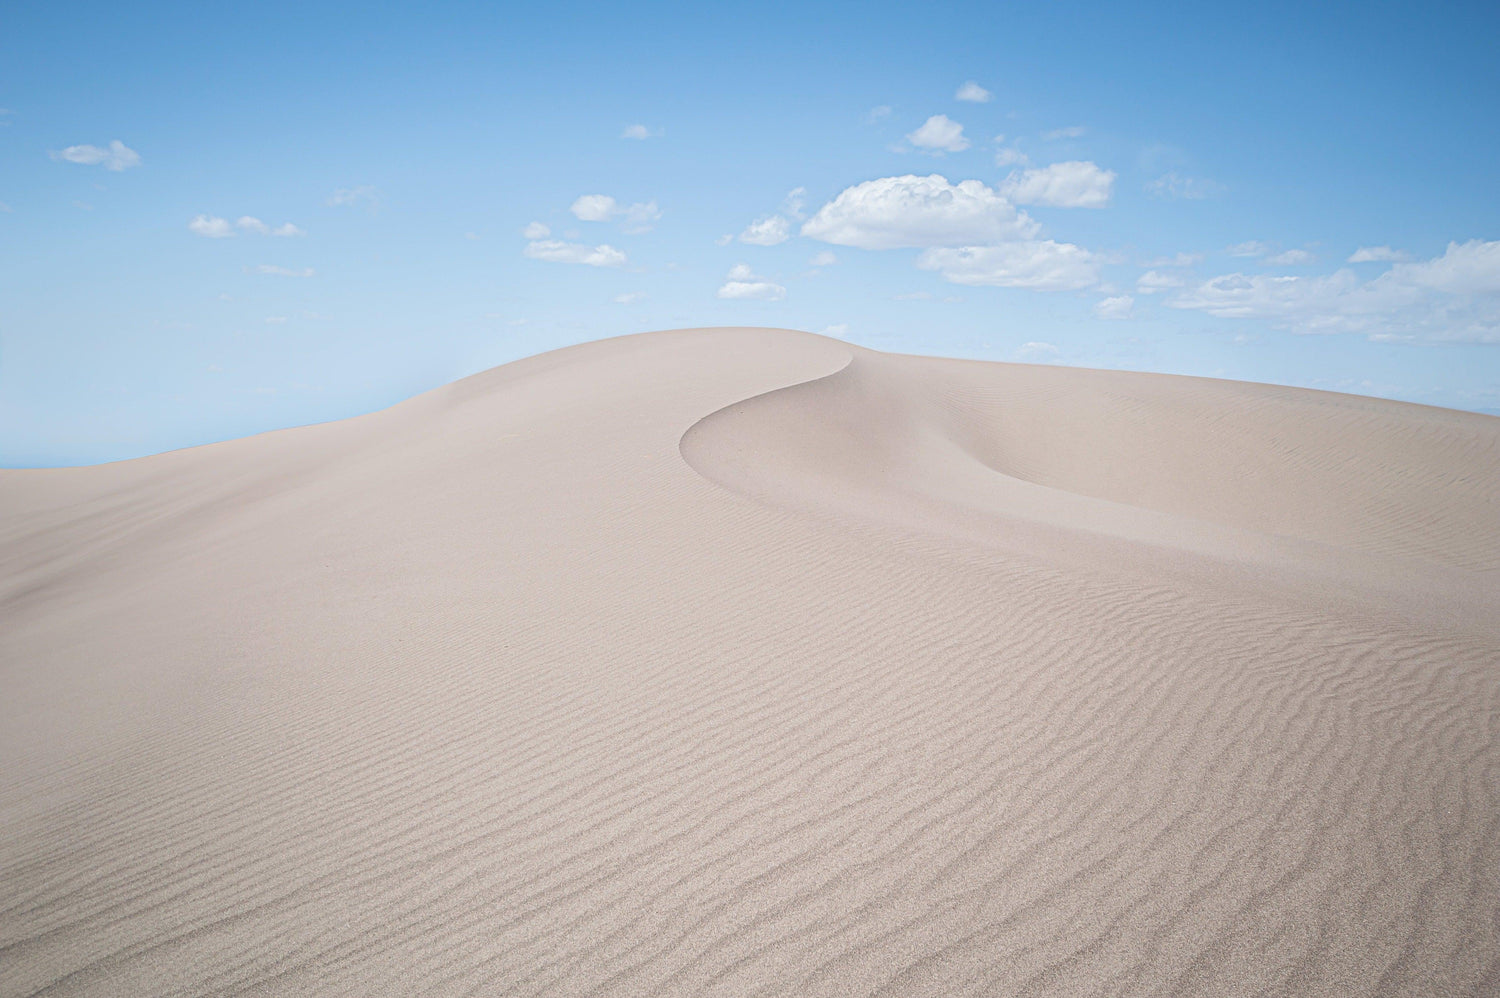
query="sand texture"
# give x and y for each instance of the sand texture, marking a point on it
(750, 662)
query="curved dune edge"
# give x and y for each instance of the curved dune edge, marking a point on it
(1336, 490)
(543, 683)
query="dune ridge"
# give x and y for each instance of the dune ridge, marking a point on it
(751, 662)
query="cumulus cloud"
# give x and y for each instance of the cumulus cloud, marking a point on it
(744, 284)
(346, 196)
(939, 134)
(1041, 265)
(116, 156)
(1118, 307)
(536, 230)
(973, 92)
(275, 271)
(210, 227)
(1071, 132)
(557, 251)
(767, 231)
(1074, 184)
(603, 208)
(1454, 297)
(911, 211)
(1377, 254)
(1174, 186)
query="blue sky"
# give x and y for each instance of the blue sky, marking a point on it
(216, 221)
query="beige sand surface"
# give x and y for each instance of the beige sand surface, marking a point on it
(751, 662)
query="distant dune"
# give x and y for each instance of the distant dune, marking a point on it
(750, 662)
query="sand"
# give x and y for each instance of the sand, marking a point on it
(750, 662)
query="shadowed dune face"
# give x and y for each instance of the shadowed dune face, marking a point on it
(1339, 471)
(748, 662)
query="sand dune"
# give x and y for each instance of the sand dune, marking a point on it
(751, 662)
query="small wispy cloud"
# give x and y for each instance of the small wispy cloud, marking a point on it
(1174, 186)
(878, 113)
(346, 196)
(1290, 258)
(275, 271)
(1118, 307)
(116, 156)
(973, 93)
(536, 230)
(640, 132)
(213, 227)
(824, 259)
(744, 284)
(1071, 132)
(629, 297)
(557, 251)
(1378, 254)
(1252, 247)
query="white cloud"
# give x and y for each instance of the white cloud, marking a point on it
(636, 132)
(1377, 254)
(275, 320)
(602, 208)
(1042, 265)
(911, 211)
(211, 227)
(824, 259)
(1289, 258)
(1252, 248)
(794, 202)
(1179, 260)
(1174, 186)
(835, 330)
(1154, 282)
(1011, 157)
(878, 113)
(1119, 307)
(557, 251)
(1454, 297)
(536, 230)
(219, 228)
(1466, 268)
(939, 134)
(725, 239)
(344, 196)
(594, 208)
(973, 92)
(629, 297)
(745, 284)
(117, 156)
(1074, 184)
(1036, 350)
(272, 269)
(767, 231)
(1071, 132)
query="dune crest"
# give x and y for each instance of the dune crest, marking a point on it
(745, 661)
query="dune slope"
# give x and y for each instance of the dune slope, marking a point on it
(751, 662)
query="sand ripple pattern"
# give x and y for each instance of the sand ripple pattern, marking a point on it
(745, 662)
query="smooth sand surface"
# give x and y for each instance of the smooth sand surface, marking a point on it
(749, 662)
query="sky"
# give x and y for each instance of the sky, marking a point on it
(217, 220)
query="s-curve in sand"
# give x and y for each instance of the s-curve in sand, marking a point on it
(749, 662)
